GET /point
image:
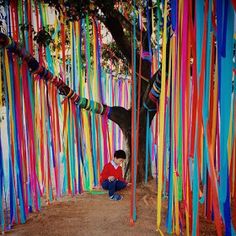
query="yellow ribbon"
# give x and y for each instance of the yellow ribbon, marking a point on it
(162, 121)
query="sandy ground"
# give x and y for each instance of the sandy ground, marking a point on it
(94, 214)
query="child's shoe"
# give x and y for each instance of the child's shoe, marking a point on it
(116, 197)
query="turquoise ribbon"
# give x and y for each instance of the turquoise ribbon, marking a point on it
(199, 31)
(148, 141)
(170, 156)
(134, 213)
(79, 152)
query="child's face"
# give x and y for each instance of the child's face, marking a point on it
(118, 161)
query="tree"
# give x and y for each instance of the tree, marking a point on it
(120, 28)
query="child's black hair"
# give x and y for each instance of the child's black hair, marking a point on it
(120, 154)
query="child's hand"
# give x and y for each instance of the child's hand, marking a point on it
(129, 184)
(111, 178)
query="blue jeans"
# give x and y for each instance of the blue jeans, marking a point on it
(113, 186)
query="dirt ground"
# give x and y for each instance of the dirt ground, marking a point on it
(94, 214)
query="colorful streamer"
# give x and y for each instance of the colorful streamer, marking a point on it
(58, 144)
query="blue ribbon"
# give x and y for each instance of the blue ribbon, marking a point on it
(173, 14)
(225, 101)
(1, 185)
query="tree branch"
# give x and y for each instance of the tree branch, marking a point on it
(120, 116)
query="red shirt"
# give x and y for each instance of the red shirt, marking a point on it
(110, 170)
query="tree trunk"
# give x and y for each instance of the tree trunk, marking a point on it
(122, 117)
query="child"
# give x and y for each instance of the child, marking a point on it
(111, 177)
